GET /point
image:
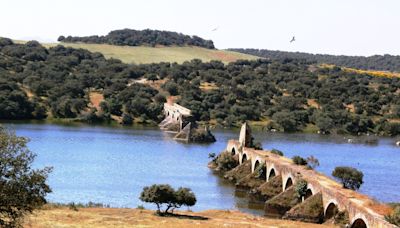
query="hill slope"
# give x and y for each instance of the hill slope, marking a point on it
(143, 55)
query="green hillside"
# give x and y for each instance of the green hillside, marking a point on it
(142, 54)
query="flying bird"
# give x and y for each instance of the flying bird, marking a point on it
(215, 29)
(293, 39)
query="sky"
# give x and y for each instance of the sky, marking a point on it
(347, 27)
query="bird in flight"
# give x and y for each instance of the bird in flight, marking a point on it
(215, 29)
(293, 39)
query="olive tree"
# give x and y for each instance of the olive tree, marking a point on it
(22, 188)
(164, 194)
(351, 178)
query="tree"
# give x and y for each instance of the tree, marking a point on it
(312, 162)
(22, 189)
(301, 188)
(351, 178)
(299, 160)
(164, 194)
(225, 161)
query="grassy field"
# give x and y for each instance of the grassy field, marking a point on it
(115, 217)
(141, 54)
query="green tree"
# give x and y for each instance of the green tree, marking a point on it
(22, 189)
(299, 160)
(164, 194)
(351, 178)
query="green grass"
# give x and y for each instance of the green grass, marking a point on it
(142, 54)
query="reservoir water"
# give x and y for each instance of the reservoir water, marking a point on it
(112, 165)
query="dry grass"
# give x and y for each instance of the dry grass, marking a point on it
(142, 54)
(375, 73)
(113, 217)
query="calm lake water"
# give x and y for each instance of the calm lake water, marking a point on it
(112, 165)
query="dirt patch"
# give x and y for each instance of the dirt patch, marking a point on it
(95, 99)
(115, 217)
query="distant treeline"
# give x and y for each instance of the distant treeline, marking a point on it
(37, 83)
(375, 62)
(132, 37)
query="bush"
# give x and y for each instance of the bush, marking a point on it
(301, 188)
(277, 152)
(19, 183)
(299, 160)
(394, 217)
(225, 161)
(351, 178)
(164, 194)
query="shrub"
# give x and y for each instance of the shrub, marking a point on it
(394, 217)
(277, 152)
(261, 171)
(164, 194)
(312, 162)
(299, 160)
(301, 188)
(351, 178)
(19, 183)
(225, 161)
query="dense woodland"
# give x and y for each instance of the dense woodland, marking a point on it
(375, 62)
(38, 83)
(132, 37)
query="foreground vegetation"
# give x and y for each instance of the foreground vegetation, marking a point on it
(22, 188)
(287, 95)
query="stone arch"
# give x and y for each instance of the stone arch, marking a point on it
(244, 157)
(258, 163)
(288, 183)
(233, 151)
(310, 191)
(271, 174)
(331, 209)
(359, 221)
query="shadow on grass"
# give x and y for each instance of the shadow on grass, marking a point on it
(193, 217)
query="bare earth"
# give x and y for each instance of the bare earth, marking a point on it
(115, 217)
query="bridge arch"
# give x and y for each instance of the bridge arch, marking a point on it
(233, 151)
(331, 209)
(271, 172)
(359, 221)
(288, 183)
(244, 158)
(310, 191)
(260, 162)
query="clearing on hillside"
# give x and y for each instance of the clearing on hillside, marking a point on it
(143, 54)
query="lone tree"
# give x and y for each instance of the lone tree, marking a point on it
(351, 178)
(22, 189)
(164, 194)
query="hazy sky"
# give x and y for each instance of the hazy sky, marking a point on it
(351, 27)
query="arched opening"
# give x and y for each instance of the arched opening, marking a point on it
(308, 194)
(271, 174)
(256, 165)
(244, 158)
(289, 183)
(359, 223)
(233, 151)
(331, 211)
(168, 113)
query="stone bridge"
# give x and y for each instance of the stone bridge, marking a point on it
(359, 207)
(178, 119)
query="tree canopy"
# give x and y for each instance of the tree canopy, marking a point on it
(22, 188)
(131, 37)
